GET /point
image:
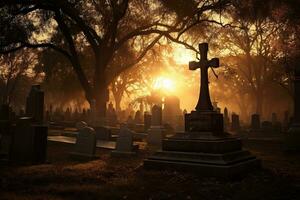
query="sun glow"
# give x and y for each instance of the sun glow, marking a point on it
(164, 84)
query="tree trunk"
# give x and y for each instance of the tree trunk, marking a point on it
(259, 101)
(118, 99)
(100, 90)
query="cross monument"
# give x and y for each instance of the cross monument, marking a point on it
(204, 102)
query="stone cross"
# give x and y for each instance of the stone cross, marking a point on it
(204, 102)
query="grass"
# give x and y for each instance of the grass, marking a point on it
(124, 178)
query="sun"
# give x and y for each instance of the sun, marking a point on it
(165, 84)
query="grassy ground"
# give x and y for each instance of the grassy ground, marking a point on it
(124, 178)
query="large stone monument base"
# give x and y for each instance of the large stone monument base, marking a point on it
(292, 138)
(209, 153)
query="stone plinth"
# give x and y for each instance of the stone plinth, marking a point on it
(206, 149)
(204, 121)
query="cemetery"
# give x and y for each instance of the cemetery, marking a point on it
(152, 99)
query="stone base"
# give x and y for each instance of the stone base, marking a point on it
(205, 153)
(204, 121)
(82, 157)
(292, 139)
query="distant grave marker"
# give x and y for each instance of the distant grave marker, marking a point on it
(125, 144)
(85, 146)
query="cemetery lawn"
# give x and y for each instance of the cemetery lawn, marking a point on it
(124, 178)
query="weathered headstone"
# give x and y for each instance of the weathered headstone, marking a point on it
(85, 146)
(35, 104)
(204, 148)
(130, 122)
(235, 122)
(125, 144)
(29, 144)
(67, 116)
(147, 121)
(171, 110)
(226, 119)
(138, 117)
(266, 127)
(274, 118)
(103, 133)
(255, 122)
(156, 131)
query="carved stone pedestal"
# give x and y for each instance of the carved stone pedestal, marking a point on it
(204, 149)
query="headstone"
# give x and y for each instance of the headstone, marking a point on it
(204, 148)
(226, 119)
(111, 115)
(35, 104)
(171, 110)
(156, 131)
(29, 144)
(147, 121)
(235, 122)
(138, 117)
(130, 122)
(255, 122)
(266, 127)
(125, 144)
(67, 116)
(274, 118)
(156, 119)
(85, 146)
(276, 125)
(102, 133)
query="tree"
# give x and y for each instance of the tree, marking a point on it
(15, 69)
(105, 27)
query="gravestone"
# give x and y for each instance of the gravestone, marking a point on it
(67, 115)
(125, 144)
(274, 118)
(255, 122)
(266, 127)
(204, 148)
(147, 121)
(292, 139)
(171, 110)
(102, 133)
(29, 143)
(156, 131)
(235, 122)
(85, 146)
(35, 104)
(130, 122)
(226, 119)
(138, 117)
